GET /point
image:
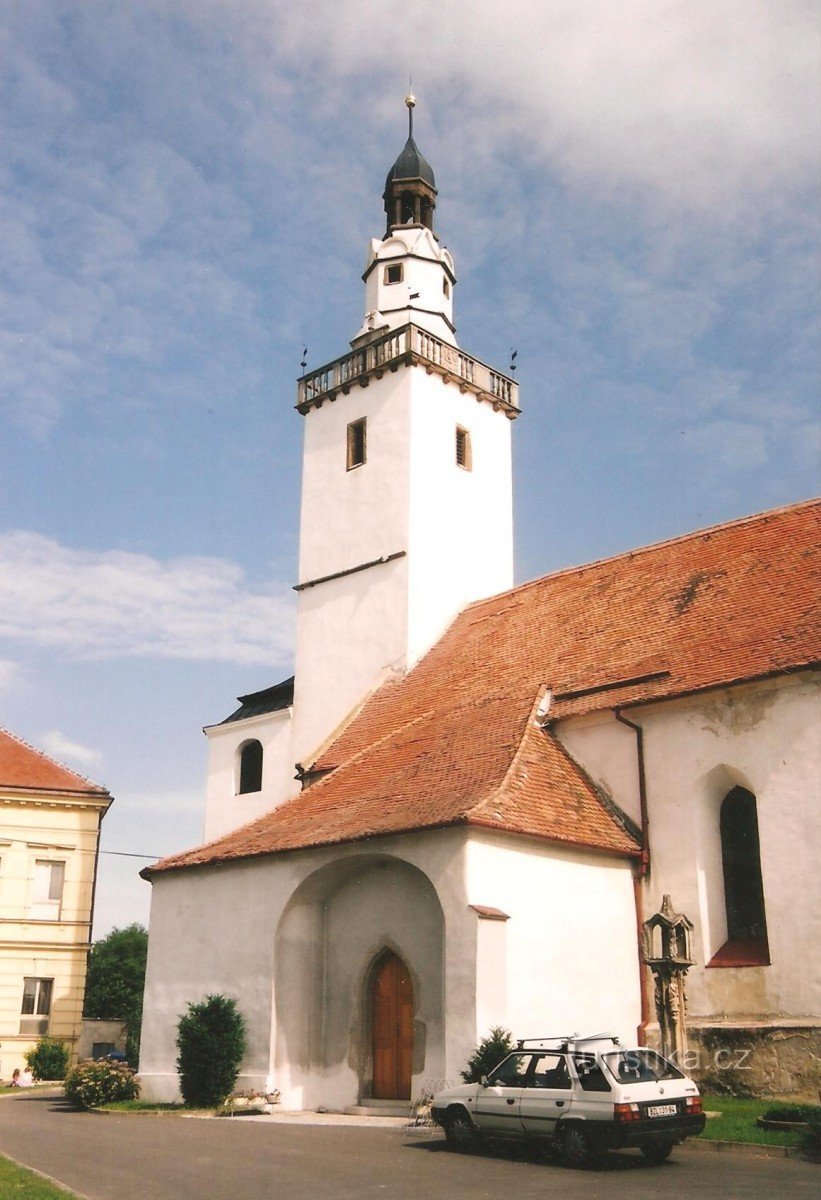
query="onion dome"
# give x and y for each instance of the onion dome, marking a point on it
(410, 187)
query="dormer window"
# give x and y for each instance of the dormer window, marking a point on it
(394, 273)
(463, 454)
(357, 443)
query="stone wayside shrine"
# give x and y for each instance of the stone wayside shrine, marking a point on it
(461, 809)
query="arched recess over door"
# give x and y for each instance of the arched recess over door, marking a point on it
(391, 998)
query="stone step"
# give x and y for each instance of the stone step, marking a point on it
(379, 1108)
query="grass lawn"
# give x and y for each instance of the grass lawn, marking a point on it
(16, 1183)
(737, 1122)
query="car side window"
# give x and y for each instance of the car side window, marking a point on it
(511, 1072)
(591, 1076)
(549, 1071)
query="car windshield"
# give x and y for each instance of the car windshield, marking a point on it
(640, 1066)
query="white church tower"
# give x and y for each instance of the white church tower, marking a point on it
(406, 507)
(406, 488)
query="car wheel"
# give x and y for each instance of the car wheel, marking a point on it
(657, 1152)
(460, 1133)
(579, 1147)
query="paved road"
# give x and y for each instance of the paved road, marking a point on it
(172, 1158)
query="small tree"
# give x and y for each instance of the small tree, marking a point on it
(488, 1054)
(211, 1043)
(48, 1059)
(115, 980)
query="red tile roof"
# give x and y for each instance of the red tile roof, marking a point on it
(455, 740)
(25, 769)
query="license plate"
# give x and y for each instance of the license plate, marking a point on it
(662, 1110)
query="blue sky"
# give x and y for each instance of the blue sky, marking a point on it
(629, 188)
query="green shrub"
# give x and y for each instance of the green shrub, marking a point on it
(93, 1083)
(488, 1054)
(211, 1043)
(793, 1112)
(48, 1059)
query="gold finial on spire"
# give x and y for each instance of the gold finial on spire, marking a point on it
(410, 100)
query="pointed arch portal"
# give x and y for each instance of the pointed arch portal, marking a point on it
(392, 1009)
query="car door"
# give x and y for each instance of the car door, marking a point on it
(546, 1095)
(498, 1100)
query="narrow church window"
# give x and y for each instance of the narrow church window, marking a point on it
(357, 443)
(394, 273)
(250, 767)
(463, 453)
(746, 943)
(446, 286)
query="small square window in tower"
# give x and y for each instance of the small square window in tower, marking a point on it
(394, 273)
(357, 443)
(464, 457)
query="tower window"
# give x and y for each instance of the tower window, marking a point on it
(446, 287)
(250, 767)
(464, 457)
(357, 443)
(394, 273)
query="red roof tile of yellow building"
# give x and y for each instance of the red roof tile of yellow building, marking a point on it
(22, 768)
(457, 741)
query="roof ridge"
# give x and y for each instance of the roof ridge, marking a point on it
(15, 737)
(736, 522)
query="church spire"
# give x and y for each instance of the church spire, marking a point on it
(410, 188)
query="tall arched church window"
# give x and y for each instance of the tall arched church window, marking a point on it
(250, 767)
(746, 943)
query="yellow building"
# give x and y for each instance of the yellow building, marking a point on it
(50, 822)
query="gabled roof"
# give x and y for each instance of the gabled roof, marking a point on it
(455, 741)
(25, 769)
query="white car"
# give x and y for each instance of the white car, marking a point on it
(579, 1096)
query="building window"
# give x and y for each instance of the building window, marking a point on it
(36, 1008)
(446, 287)
(47, 890)
(357, 443)
(463, 453)
(394, 273)
(746, 943)
(250, 767)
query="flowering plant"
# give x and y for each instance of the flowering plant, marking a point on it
(93, 1083)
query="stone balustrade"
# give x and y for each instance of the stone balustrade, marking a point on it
(408, 345)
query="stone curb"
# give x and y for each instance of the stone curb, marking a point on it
(750, 1149)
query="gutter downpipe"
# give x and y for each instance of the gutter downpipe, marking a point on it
(639, 876)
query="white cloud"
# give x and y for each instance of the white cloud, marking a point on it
(115, 604)
(700, 100)
(61, 747)
(9, 674)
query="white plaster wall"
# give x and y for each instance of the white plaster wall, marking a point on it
(607, 751)
(426, 265)
(764, 737)
(351, 634)
(461, 521)
(351, 517)
(214, 931)
(572, 960)
(225, 808)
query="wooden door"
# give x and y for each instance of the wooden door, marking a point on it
(392, 1008)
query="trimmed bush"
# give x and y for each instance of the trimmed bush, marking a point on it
(488, 1054)
(48, 1059)
(93, 1083)
(211, 1043)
